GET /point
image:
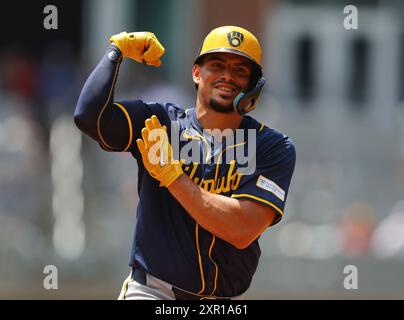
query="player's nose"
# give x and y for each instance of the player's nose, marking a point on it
(227, 76)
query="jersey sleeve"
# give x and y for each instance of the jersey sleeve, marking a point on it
(128, 121)
(115, 125)
(269, 184)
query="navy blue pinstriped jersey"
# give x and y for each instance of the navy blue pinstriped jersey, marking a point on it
(168, 243)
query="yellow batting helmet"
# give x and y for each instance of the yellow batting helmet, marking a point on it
(232, 39)
(237, 40)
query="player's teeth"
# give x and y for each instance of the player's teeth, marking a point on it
(226, 89)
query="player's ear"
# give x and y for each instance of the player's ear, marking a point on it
(196, 74)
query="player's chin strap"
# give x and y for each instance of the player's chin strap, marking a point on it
(247, 101)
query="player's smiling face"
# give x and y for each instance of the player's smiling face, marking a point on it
(220, 78)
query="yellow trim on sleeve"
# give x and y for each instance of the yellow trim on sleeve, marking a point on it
(103, 109)
(199, 258)
(216, 267)
(258, 199)
(129, 123)
(262, 127)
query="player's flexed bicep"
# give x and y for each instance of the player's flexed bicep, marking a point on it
(108, 122)
(120, 130)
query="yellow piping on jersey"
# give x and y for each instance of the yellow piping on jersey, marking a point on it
(258, 199)
(262, 127)
(103, 109)
(199, 259)
(129, 123)
(125, 287)
(216, 267)
(186, 136)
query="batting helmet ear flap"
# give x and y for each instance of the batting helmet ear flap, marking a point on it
(247, 101)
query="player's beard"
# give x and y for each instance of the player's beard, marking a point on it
(218, 107)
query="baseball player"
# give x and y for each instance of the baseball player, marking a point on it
(199, 216)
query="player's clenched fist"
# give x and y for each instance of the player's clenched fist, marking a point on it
(157, 153)
(139, 46)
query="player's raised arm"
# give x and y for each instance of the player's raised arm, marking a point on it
(96, 114)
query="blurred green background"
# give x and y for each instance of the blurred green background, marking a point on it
(339, 94)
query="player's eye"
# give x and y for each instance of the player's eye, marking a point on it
(242, 71)
(216, 64)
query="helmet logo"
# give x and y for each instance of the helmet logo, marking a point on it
(235, 38)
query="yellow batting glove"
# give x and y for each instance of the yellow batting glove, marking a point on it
(156, 153)
(140, 46)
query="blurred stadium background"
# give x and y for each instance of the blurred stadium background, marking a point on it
(339, 94)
